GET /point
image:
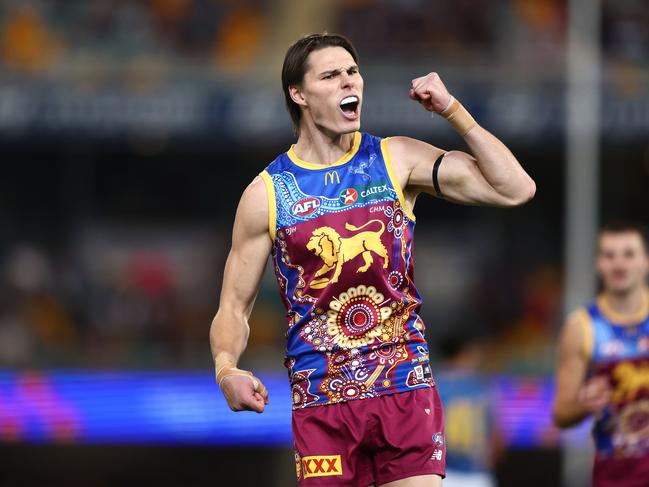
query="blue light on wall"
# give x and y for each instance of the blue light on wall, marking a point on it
(135, 407)
(172, 407)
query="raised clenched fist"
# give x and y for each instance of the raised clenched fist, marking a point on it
(430, 91)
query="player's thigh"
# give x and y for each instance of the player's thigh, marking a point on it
(409, 440)
(327, 449)
(416, 481)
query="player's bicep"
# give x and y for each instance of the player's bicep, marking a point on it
(453, 175)
(251, 246)
(572, 362)
(459, 179)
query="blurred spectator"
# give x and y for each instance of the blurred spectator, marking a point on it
(241, 36)
(26, 41)
(626, 30)
(34, 318)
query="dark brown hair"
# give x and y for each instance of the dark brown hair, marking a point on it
(295, 65)
(626, 227)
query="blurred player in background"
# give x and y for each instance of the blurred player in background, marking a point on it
(336, 214)
(472, 444)
(603, 364)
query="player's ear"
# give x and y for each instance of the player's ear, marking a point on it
(295, 91)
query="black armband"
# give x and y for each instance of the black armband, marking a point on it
(438, 162)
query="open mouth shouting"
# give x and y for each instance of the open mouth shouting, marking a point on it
(350, 107)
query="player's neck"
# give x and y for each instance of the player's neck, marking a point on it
(317, 147)
(632, 303)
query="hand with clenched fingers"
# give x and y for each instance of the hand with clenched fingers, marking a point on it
(430, 91)
(242, 390)
(595, 394)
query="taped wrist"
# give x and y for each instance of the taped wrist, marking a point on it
(230, 370)
(458, 116)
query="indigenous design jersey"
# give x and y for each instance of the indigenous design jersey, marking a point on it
(342, 254)
(621, 353)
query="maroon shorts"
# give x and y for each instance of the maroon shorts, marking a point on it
(621, 472)
(370, 441)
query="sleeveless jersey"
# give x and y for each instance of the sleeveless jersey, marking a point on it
(621, 432)
(342, 254)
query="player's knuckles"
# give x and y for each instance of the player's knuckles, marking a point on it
(240, 385)
(419, 84)
(261, 388)
(436, 85)
(429, 77)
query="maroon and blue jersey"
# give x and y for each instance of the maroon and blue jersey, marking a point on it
(343, 259)
(619, 351)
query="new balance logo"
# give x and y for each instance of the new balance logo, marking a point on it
(437, 455)
(322, 466)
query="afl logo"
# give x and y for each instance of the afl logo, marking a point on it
(348, 196)
(306, 206)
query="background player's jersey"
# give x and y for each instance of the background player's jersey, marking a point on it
(621, 353)
(467, 418)
(343, 259)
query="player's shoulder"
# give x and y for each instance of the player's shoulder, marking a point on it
(578, 329)
(579, 316)
(410, 151)
(254, 207)
(255, 192)
(279, 164)
(401, 142)
(576, 336)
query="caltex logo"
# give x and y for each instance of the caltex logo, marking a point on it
(348, 196)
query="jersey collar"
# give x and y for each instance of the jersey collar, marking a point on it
(346, 157)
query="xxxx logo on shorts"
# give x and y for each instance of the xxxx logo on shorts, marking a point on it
(322, 466)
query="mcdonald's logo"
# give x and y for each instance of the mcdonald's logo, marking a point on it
(330, 176)
(322, 466)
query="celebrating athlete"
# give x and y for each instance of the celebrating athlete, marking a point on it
(336, 213)
(603, 365)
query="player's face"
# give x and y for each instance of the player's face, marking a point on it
(622, 262)
(332, 91)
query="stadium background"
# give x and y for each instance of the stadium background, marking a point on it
(128, 130)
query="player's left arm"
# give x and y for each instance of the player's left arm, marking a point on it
(492, 176)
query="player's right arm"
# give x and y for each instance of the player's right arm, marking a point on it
(244, 268)
(576, 397)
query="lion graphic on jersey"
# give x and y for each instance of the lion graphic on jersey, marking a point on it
(335, 250)
(630, 380)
